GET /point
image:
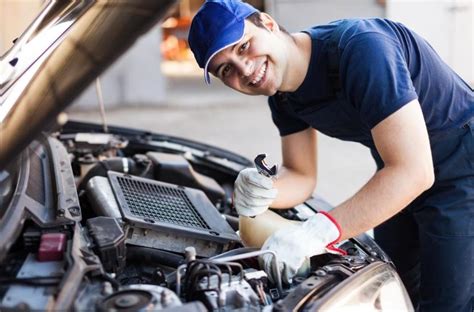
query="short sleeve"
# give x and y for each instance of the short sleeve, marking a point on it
(375, 76)
(284, 118)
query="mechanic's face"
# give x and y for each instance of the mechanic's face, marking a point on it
(256, 64)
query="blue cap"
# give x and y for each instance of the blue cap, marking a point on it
(217, 25)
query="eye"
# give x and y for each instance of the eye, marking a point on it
(244, 46)
(225, 71)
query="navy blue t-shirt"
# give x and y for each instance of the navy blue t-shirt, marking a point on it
(380, 66)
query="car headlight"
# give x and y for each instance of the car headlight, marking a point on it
(374, 288)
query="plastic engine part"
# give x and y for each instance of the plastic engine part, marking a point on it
(109, 240)
(52, 246)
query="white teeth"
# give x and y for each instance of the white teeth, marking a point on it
(260, 74)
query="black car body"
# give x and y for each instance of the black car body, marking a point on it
(129, 220)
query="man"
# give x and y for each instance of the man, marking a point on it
(371, 81)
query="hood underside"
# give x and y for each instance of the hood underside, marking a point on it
(66, 47)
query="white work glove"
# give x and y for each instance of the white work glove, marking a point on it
(297, 243)
(253, 193)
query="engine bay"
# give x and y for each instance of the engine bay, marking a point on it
(129, 221)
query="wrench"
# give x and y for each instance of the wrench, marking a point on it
(263, 168)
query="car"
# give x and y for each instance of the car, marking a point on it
(124, 219)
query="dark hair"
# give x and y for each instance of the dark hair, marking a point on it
(255, 19)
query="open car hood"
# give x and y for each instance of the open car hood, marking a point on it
(67, 46)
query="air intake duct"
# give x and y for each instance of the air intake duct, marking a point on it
(177, 216)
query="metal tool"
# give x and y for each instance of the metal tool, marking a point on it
(263, 168)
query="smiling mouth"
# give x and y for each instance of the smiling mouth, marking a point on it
(257, 81)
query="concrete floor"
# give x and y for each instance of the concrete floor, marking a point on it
(217, 115)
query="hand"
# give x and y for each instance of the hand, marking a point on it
(253, 193)
(297, 243)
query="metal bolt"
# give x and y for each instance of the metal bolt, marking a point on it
(298, 280)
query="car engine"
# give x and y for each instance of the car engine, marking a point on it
(133, 221)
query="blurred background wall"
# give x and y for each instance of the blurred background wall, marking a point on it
(447, 24)
(299, 14)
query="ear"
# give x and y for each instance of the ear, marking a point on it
(269, 22)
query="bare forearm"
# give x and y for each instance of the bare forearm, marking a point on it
(388, 192)
(293, 188)
(402, 141)
(297, 177)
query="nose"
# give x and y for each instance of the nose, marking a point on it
(244, 66)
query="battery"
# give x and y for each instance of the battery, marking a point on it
(52, 246)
